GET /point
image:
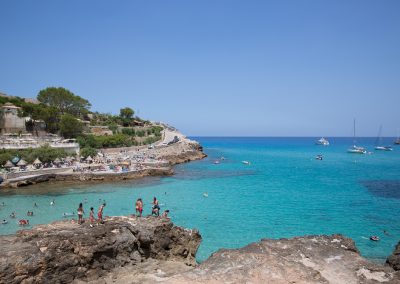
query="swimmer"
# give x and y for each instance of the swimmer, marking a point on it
(35, 205)
(23, 222)
(3, 204)
(205, 194)
(4, 222)
(30, 213)
(12, 215)
(52, 202)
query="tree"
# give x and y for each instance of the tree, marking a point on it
(70, 127)
(126, 113)
(88, 151)
(64, 100)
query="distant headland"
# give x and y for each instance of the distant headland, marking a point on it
(56, 137)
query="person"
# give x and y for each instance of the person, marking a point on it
(139, 207)
(52, 202)
(4, 221)
(100, 213)
(35, 205)
(155, 210)
(80, 213)
(23, 222)
(91, 216)
(12, 215)
(30, 213)
(165, 214)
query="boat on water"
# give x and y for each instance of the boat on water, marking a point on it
(322, 141)
(319, 157)
(246, 162)
(397, 141)
(379, 143)
(356, 149)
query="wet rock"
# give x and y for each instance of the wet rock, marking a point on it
(394, 259)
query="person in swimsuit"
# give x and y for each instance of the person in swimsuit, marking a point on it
(165, 214)
(155, 210)
(100, 213)
(80, 213)
(139, 207)
(91, 216)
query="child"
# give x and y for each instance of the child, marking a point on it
(165, 214)
(91, 216)
(100, 213)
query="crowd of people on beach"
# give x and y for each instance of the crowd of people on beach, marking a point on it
(155, 211)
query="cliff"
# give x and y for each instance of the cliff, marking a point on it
(63, 251)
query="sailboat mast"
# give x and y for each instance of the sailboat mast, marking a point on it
(354, 131)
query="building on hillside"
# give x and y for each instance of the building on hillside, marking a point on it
(10, 122)
(100, 130)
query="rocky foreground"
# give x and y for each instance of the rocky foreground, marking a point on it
(150, 250)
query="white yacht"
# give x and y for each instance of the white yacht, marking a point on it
(322, 141)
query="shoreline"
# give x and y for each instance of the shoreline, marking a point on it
(130, 249)
(165, 157)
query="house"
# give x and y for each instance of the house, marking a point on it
(10, 122)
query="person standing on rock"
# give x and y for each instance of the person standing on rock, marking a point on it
(100, 213)
(139, 207)
(156, 208)
(91, 216)
(80, 213)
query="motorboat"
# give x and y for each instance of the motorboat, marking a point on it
(319, 157)
(246, 162)
(322, 141)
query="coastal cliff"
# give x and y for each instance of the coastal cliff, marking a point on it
(149, 249)
(63, 251)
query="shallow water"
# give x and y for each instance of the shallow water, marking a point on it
(285, 192)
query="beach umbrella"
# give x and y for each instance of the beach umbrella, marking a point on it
(8, 165)
(15, 160)
(89, 158)
(22, 163)
(57, 161)
(37, 162)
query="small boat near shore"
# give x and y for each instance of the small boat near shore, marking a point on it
(322, 141)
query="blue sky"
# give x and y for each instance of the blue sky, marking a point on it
(218, 68)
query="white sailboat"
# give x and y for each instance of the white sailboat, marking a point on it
(356, 149)
(378, 143)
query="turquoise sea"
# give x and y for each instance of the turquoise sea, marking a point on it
(284, 192)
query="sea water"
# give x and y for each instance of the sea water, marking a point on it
(283, 192)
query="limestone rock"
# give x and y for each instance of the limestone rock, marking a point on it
(62, 252)
(394, 259)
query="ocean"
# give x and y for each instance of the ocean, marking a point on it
(283, 192)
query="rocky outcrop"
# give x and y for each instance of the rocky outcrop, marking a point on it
(150, 250)
(87, 177)
(394, 259)
(313, 259)
(63, 252)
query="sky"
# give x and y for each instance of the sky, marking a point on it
(214, 68)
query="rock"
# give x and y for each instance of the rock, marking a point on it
(312, 259)
(62, 252)
(394, 259)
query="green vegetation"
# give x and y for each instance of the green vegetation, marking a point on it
(45, 154)
(63, 112)
(70, 127)
(88, 151)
